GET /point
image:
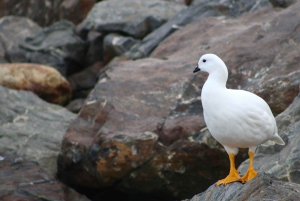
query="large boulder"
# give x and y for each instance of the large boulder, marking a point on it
(44, 81)
(32, 128)
(142, 119)
(136, 18)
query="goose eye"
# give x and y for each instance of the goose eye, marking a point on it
(204, 60)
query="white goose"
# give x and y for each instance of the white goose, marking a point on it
(235, 118)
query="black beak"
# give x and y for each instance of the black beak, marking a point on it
(196, 69)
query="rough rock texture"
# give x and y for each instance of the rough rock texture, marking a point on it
(263, 187)
(136, 18)
(45, 12)
(32, 128)
(142, 119)
(198, 10)
(261, 54)
(57, 46)
(21, 179)
(282, 161)
(44, 81)
(13, 31)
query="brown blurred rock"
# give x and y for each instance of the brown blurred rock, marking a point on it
(45, 12)
(25, 180)
(44, 81)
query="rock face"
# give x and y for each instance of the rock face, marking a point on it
(262, 187)
(45, 13)
(31, 128)
(44, 81)
(142, 119)
(282, 161)
(132, 17)
(198, 10)
(25, 180)
(270, 71)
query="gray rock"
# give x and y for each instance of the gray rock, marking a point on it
(32, 128)
(13, 31)
(196, 11)
(136, 18)
(116, 45)
(57, 46)
(262, 187)
(282, 161)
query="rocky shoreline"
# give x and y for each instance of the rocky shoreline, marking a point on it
(100, 97)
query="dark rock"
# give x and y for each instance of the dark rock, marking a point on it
(31, 127)
(57, 46)
(83, 82)
(25, 180)
(95, 48)
(136, 18)
(44, 81)
(45, 13)
(262, 187)
(282, 161)
(116, 45)
(13, 31)
(198, 10)
(282, 3)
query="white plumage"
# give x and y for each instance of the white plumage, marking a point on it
(235, 118)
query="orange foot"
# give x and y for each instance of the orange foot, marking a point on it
(250, 174)
(232, 177)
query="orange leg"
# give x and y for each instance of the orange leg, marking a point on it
(251, 173)
(233, 173)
